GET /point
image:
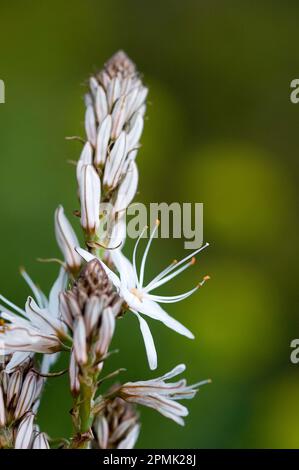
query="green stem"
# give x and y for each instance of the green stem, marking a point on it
(86, 397)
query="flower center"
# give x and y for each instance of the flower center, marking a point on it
(137, 293)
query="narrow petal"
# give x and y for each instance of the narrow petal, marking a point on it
(58, 286)
(86, 158)
(88, 257)
(66, 239)
(153, 310)
(17, 359)
(125, 269)
(148, 342)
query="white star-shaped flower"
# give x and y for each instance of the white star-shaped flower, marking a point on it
(37, 328)
(138, 296)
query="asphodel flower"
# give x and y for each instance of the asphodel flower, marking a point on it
(139, 297)
(37, 328)
(161, 395)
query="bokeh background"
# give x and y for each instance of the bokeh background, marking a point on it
(220, 130)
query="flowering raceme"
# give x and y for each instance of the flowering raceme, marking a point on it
(95, 287)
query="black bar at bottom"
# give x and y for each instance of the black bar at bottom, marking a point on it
(193, 458)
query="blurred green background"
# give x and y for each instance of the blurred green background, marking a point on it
(220, 130)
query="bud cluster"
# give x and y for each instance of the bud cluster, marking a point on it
(19, 399)
(90, 309)
(106, 171)
(117, 427)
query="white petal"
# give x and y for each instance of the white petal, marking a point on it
(39, 297)
(88, 257)
(66, 239)
(148, 342)
(17, 359)
(118, 233)
(86, 158)
(179, 369)
(125, 269)
(85, 254)
(58, 286)
(41, 319)
(153, 310)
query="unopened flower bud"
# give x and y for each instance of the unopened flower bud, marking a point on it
(90, 193)
(67, 240)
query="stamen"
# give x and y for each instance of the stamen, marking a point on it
(204, 280)
(162, 275)
(164, 279)
(135, 251)
(192, 255)
(12, 305)
(172, 299)
(146, 253)
(137, 293)
(32, 286)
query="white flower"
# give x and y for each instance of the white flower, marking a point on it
(138, 296)
(37, 328)
(66, 240)
(162, 396)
